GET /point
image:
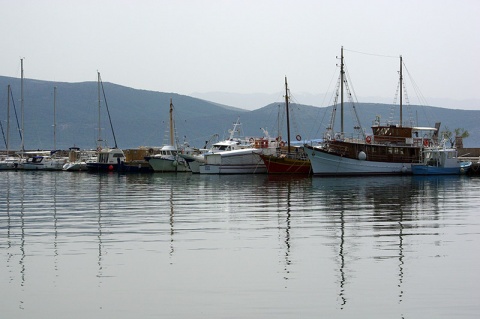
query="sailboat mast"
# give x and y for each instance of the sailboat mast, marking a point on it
(342, 76)
(8, 119)
(171, 122)
(401, 88)
(54, 118)
(288, 116)
(22, 106)
(99, 138)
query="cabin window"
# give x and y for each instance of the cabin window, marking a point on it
(103, 158)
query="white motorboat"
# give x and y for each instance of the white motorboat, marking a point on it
(10, 162)
(242, 161)
(245, 160)
(235, 142)
(78, 159)
(43, 161)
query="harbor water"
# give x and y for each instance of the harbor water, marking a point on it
(83, 245)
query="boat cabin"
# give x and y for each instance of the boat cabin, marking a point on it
(110, 156)
(402, 135)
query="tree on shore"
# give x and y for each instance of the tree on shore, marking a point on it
(456, 136)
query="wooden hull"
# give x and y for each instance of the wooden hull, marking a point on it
(284, 165)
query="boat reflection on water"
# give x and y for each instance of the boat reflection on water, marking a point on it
(380, 212)
(321, 242)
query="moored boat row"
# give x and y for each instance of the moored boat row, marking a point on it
(391, 149)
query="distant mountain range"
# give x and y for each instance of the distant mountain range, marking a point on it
(140, 117)
(252, 101)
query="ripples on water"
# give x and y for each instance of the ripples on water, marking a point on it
(78, 245)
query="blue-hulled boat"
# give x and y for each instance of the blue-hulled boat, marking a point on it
(440, 160)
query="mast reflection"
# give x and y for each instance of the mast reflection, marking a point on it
(172, 224)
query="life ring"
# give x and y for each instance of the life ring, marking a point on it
(279, 138)
(282, 144)
(368, 139)
(99, 149)
(425, 142)
(298, 137)
(251, 140)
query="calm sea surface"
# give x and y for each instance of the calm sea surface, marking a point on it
(82, 245)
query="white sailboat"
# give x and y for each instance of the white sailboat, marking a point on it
(7, 161)
(47, 160)
(108, 159)
(169, 159)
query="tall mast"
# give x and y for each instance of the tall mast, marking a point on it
(54, 118)
(288, 117)
(22, 106)
(8, 119)
(99, 139)
(171, 123)
(342, 76)
(401, 87)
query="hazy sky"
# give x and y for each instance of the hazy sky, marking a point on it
(249, 46)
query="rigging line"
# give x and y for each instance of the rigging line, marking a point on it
(416, 87)
(354, 96)
(372, 54)
(16, 115)
(108, 112)
(329, 86)
(295, 105)
(323, 104)
(422, 100)
(3, 133)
